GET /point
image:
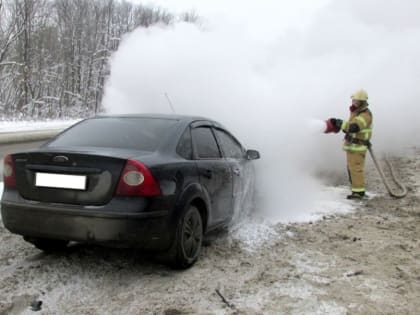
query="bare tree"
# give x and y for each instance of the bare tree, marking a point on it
(54, 54)
(10, 29)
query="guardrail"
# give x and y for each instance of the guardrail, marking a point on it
(27, 136)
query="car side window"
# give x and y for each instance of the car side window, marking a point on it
(205, 143)
(184, 147)
(230, 147)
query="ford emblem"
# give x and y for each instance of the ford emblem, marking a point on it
(60, 159)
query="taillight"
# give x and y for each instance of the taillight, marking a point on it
(136, 180)
(9, 177)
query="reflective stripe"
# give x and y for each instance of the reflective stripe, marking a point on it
(366, 130)
(362, 120)
(359, 189)
(344, 125)
(354, 147)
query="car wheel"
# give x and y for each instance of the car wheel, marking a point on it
(188, 241)
(46, 244)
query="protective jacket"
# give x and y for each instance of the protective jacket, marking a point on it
(358, 129)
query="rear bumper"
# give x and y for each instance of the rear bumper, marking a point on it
(149, 230)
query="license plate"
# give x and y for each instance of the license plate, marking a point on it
(77, 182)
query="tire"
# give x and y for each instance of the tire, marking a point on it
(47, 245)
(187, 245)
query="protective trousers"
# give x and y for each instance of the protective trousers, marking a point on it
(356, 167)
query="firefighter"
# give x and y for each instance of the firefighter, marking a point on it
(358, 130)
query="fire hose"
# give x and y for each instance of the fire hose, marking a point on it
(402, 187)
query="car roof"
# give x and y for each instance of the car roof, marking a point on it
(184, 118)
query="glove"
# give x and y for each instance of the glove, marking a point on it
(336, 123)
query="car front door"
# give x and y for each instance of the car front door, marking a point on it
(242, 171)
(215, 174)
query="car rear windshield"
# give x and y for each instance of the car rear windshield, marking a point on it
(144, 134)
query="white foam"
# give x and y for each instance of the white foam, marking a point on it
(254, 233)
(333, 201)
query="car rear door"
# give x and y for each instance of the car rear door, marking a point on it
(215, 174)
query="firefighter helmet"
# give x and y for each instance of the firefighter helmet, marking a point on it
(360, 95)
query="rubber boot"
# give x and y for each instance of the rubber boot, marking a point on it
(356, 195)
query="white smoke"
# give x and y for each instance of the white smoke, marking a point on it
(268, 71)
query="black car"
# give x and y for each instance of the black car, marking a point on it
(158, 182)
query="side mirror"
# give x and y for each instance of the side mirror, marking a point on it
(252, 155)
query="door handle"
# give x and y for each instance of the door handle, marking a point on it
(207, 173)
(237, 172)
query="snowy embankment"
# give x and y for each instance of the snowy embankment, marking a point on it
(17, 132)
(19, 126)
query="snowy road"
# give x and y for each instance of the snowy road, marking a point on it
(10, 127)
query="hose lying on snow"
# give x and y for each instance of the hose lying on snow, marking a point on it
(403, 192)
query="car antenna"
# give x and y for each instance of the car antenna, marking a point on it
(170, 103)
